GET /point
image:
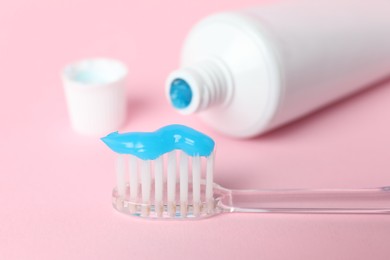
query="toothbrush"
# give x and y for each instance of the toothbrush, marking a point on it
(184, 188)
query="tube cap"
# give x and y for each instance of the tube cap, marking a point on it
(95, 91)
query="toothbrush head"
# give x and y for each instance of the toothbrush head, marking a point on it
(165, 174)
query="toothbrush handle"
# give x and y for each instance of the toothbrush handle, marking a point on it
(341, 201)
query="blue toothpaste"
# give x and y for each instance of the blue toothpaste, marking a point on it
(151, 145)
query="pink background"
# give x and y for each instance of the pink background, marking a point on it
(55, 186)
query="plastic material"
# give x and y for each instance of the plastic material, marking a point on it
(95, 91)
(253, 70)
(291, 201)
(196, 196)
(332, 201)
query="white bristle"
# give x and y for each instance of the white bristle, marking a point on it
(171, 183)
(141, 174)
(133, 178)
(183, 183)
(209, 182)
(196, 174)
(158, 185)
(120, 176)
(146, 186)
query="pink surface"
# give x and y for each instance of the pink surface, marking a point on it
(55, 185)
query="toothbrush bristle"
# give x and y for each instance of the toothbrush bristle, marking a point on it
(190, 195)
(146, 182)
(209, 183)
(171, 183)
(120, 172)
(159, 186)
(183, 183)
(196, 172)
(133, 181)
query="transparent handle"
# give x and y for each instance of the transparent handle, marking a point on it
(343, 201)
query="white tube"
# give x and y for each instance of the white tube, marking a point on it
(250, 71)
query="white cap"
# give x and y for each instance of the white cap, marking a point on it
(95, 91)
